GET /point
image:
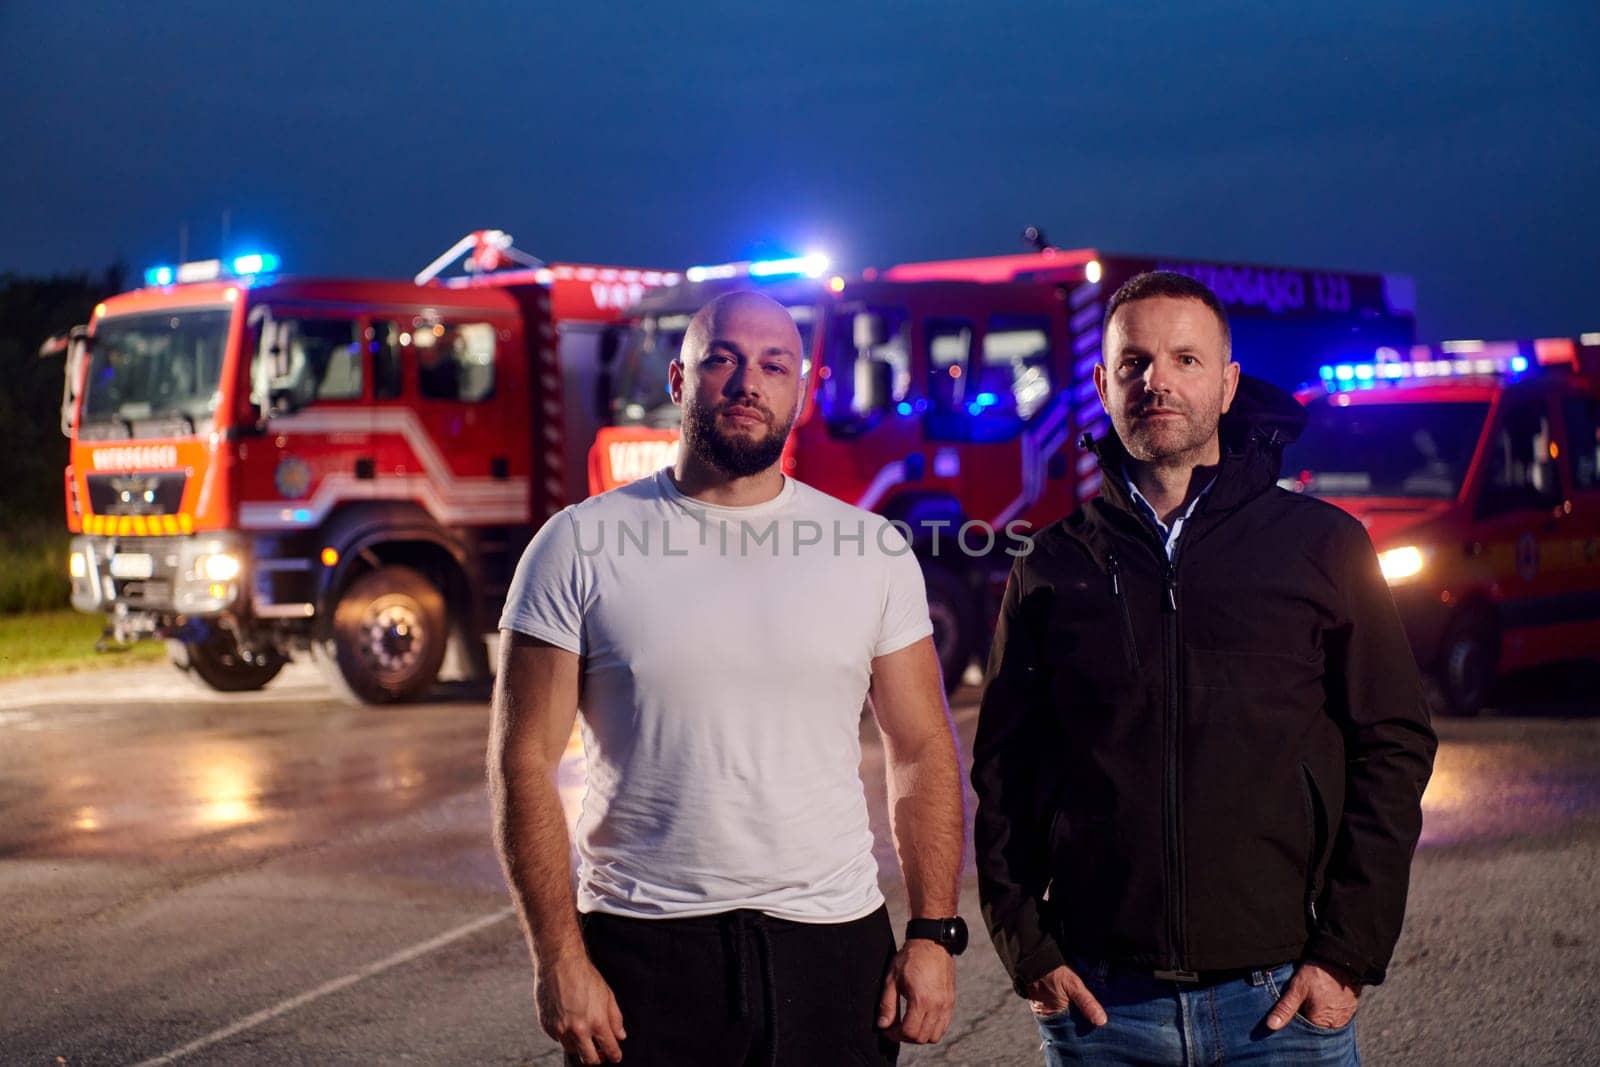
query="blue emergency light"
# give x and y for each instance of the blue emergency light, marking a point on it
(255, 263)
(814, 265)
(811, 266)
(210, 270)
(983, 400)
(1342, 377)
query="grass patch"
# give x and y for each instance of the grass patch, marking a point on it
(33, 566)
(54, 642)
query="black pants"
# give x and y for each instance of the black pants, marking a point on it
(743, 989)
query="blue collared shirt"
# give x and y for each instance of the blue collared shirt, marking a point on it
(1169, 537)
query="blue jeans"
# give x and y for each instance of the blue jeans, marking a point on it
(1160, 1023)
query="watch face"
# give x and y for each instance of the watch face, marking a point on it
(955, 936)
(948, 934)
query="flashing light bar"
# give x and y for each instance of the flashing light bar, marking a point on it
(814, 265)
(810, 266)
(1338, 377)
(204, 270)
(255, 263)
(706, 274)
(210, 270)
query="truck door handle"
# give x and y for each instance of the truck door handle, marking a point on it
(366, 468)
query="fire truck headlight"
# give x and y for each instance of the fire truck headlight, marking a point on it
(218, 567)
(209, 572)
(77, 566)
(1402, 564)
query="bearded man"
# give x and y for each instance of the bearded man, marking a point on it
(719, 647)
(1202, 746)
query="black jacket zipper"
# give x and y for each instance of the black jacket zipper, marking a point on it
(1130, 648)
(1169, 610)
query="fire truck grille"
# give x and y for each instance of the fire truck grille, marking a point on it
(150, 595)
(136, 494)
(155, 592)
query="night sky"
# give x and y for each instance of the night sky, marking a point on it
(1458, 142)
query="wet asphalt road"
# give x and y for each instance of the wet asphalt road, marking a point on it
(280, 879)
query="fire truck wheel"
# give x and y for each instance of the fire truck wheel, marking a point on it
(217, 663)
(950, 608)
(1468, 662)
(389, 637)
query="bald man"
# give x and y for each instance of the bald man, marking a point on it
(717, 626)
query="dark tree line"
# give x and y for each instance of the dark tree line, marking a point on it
(33, 454)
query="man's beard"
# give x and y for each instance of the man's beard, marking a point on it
(737, 457)
(1153, 442)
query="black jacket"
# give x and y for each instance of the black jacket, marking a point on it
(1212, 764)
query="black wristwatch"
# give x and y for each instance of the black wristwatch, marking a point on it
(948, 934)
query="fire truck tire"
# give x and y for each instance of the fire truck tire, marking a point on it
(217, 663)
(950, 608)
(389, 637)
(1469, 660)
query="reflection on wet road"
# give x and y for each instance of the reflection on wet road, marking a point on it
(1496, 779)
(147, 781)
(185, 860)
(141, 778)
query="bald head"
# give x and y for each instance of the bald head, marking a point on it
(738, 379)
(743, 314)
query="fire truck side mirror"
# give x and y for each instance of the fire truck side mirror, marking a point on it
(272, 373)
(870, 330)
(874, 386)
(74, 346)
(284, 402)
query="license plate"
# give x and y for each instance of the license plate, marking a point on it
(132, 565)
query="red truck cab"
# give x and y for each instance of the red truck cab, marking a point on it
(950, 396)
(264, 465)
(1476, 470)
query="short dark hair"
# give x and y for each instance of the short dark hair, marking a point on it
(1170, 283)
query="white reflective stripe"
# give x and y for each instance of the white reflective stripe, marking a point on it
(1089, 316)
(889, 477)
(372, 420)
(1041, 442)
(448, 497)
(466, 502)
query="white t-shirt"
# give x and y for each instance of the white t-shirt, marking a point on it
(726, 657)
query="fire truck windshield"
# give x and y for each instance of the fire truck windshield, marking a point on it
(641, 387)
(653, 342)
(156, 367)
(1385, 450)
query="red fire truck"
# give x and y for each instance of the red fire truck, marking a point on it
(950, 395)
(1476, 469)
(263, 464)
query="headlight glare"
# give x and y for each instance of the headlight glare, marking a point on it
(1402, 564)
(218, 567)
